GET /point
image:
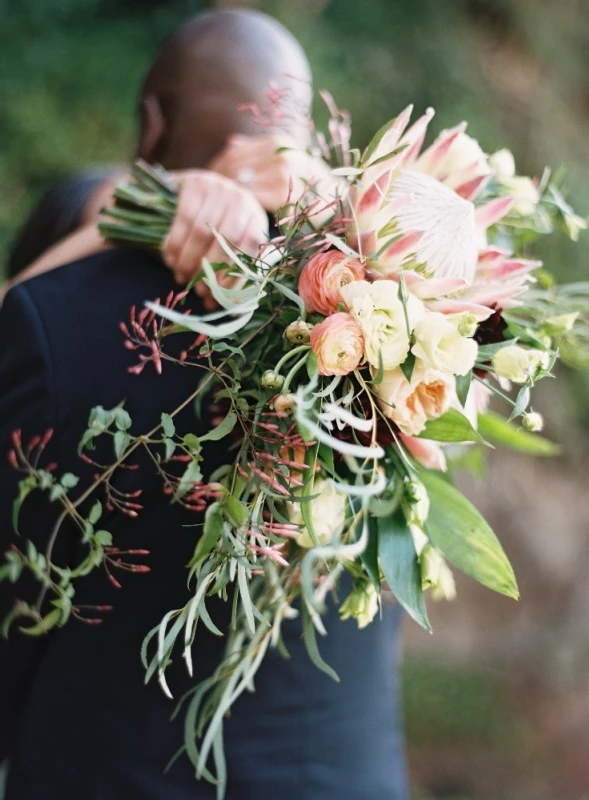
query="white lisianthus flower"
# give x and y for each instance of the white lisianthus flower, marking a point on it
(525, 194)
(379, 312)
(411, 404)
(440, 345)
(328, 513)
(503, 164)
(436, 575)
(465, 323)
(560, 324)
(532, 421)
(516, 364)
(361, 604)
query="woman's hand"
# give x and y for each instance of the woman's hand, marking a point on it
(207, 201)
(272, 166)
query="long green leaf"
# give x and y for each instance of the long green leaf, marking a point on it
(401, 567)
(460, 532)
(311, 644)
(494, 427)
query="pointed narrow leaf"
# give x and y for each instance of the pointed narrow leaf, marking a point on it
(460, 532)
(401, 567)
(494, 427)
(311, 644)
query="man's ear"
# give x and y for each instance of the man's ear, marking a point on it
(152, 130)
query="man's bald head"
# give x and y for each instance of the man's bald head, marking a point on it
(213, 65)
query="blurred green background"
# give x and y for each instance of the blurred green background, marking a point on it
(497, 706)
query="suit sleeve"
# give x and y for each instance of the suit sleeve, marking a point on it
(26, 403)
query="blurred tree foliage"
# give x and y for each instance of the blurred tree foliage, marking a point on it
(517, 69)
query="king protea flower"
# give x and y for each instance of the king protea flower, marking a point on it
(415, 210)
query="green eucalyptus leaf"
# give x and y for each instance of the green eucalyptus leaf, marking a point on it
(400, 566)
(192, 474)
(168, 426)
(235, 510)
(370, 555)
(69, 480)
(122, 419)
(192, 442)
(95, 513)
(213, 529)
(103, 538)
(460, 532)
(521, 402)
(310, 641)
(122, 441)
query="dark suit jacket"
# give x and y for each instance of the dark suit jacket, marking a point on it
(76, 720)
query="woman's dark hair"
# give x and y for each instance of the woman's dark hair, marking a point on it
(57, 214)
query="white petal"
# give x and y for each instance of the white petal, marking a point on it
(448, 245)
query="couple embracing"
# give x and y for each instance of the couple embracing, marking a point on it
(76, 721)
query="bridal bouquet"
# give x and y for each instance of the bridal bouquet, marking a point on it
(352, 361)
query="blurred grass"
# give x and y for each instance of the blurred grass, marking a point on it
(450, 704)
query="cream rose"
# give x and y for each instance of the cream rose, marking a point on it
(411, 405)
(439, 344)
(338, 344)
(379, 312)
(517, 364)
(328, 513)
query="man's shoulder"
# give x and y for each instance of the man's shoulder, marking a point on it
(103, 282)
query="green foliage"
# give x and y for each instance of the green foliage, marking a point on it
(463, 536)
(400, 566)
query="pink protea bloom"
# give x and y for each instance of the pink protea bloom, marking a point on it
(414, 209)
(338, 344)
(323, 277)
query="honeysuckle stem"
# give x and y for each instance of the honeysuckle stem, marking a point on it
(495, 390)
(289, 355)
(294, 370)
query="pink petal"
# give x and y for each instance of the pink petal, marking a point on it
(393, 256)
(415, 136)
(390, 140)
(491, 212)
(492, 253)
(438, 287)
(471, 188)
(428, 453)
(431, 159)
(445, 306)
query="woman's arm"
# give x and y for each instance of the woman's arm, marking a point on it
(83, 242)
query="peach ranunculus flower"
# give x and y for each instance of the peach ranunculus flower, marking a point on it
(322, 278)
(338, 344)
(411, 405)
